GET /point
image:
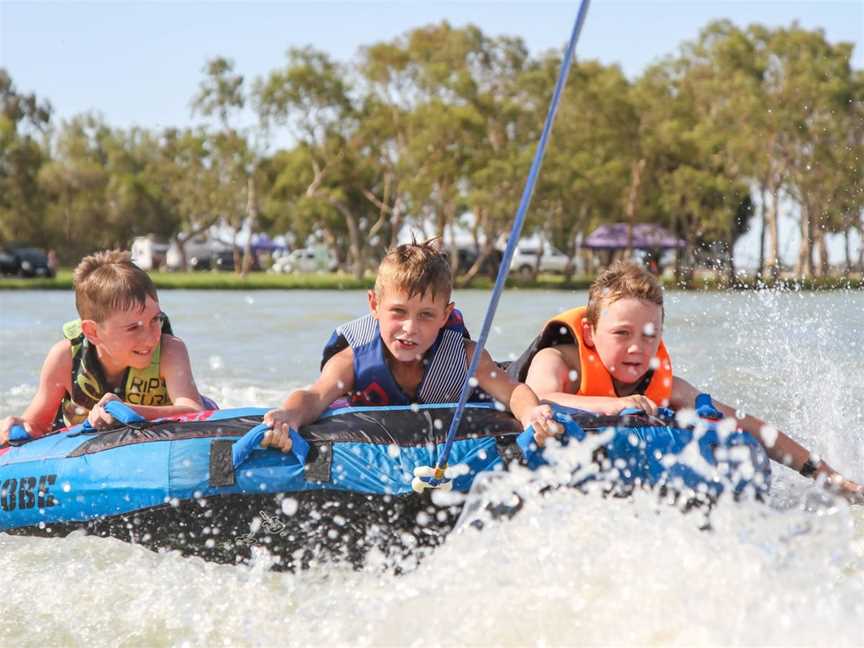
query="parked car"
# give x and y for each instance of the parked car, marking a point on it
(25, 262)
(305, 260)
(525, 260)
(9, 263)
(489, 267)
(224, 261)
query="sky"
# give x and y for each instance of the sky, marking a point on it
(139, 63)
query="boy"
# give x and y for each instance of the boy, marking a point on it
(120, 349)
(608, 356)
(411, 348)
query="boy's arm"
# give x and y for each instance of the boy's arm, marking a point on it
(520, 399)
(779, 447)
(550, 374)
(55, 380)
(305, 405)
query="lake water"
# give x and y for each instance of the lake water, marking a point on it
(569, 569)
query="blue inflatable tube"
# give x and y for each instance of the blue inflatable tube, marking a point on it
(176, 484)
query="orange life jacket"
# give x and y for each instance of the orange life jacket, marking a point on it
(594, 378)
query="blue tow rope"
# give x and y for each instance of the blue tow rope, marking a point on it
(515, 233)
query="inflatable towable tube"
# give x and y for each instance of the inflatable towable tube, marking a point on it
(176, 484)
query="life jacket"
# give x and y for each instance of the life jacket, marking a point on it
(594, 378)
(445, 364)
(138, 386)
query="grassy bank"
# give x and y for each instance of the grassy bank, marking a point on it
(211, 281)
(339, 281)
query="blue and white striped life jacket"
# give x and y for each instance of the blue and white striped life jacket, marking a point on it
(445, 364)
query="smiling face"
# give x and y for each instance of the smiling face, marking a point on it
(126, 338)
(409, 325)
(626, 337)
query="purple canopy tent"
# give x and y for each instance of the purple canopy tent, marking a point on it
(263, 243)
(646, 236)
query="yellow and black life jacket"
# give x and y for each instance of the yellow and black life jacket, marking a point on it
(138, 386)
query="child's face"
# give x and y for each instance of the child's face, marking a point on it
(128, 338)
(627, 337)
(409, 325)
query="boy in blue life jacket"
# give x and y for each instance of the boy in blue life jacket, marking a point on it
(120, 349)
(609, 356)
(412, 347)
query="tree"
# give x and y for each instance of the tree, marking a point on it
(312, 97)
(236, 156)
(24, 123)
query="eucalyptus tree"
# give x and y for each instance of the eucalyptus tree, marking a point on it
(595, 151)
(694, 185)
(184, 172)
(313, 97)
(433, 75)
(236, 150)
(385, 127)
(820, 154)
(75, 184)
(24, 124)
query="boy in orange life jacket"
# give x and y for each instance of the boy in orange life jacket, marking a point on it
(411, 348)
(610, 356)
(120, 349)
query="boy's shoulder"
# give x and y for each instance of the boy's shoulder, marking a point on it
(58, 361)
(567, 352)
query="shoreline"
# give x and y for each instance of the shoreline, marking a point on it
(338, 281)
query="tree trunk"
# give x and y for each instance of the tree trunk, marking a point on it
(773, 260)
(632, 199)
(483, 253)
(824, 267)
(730, 269)
(847, 249)
(763, 209)
(252, 220)
(804, 267)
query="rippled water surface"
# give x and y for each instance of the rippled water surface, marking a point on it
(569, 569)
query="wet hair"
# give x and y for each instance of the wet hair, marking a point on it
(108, 282)
(416, 268)
(621, 280)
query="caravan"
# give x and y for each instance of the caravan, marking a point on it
(148, 253)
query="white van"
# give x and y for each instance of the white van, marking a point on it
(525, 259)
(305, 260)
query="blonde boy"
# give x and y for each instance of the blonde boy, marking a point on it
(411, 348)
(120, 349)
(609, 356)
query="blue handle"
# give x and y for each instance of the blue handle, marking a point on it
(631, 411)
(120, 411)
(666, 413)
(18, 435)
(245, 445)
(705, 408)
(532, 453)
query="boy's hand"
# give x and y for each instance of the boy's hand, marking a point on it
(853, 492)
(279, 436)
(98, 417)
(7, 424)
(540, 418)
(636, 401)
